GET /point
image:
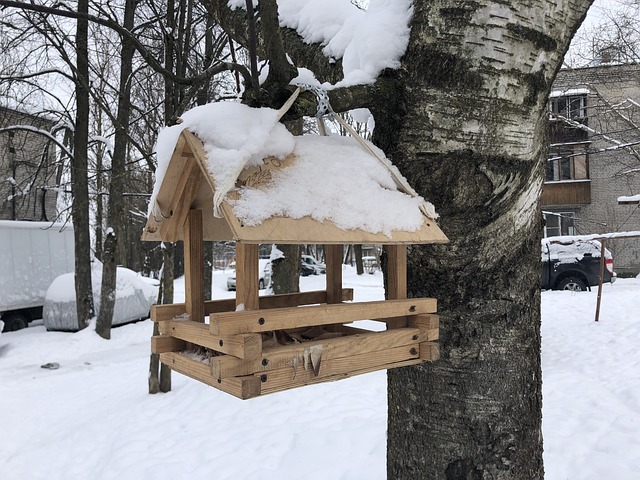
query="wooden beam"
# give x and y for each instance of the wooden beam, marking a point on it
(232, 323)
(162, 344)
(245, 346)
(396, 279)
(160, 313)
(276, 358)
(247, 276)
(241, 387)
(333, 257)
(194, 266)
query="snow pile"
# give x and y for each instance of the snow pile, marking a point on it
(333, 178)
(93, 419)
(629, 198)
(569, 249)
(366, 41)
(234, 136)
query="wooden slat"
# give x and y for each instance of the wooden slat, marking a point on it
(302, 298)
(245, 346)
(429, 351)
(194, 266)
(283, 356)
(160, 313)
(232, 323)
(241, 387)
(339, 368)
(162, 344)
(429, 325)
(396, 279)
(333, 257)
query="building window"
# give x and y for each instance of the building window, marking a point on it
(573, 106)
(567, 162)
(557, 224)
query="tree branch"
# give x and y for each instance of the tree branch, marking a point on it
(140, 48)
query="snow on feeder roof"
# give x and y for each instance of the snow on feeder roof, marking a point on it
(267, 186)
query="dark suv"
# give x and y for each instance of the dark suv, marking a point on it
(573, 264)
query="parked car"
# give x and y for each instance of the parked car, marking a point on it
(307, 269)
(318, 267)
(134, 296)
(264, 275)
(573, 264)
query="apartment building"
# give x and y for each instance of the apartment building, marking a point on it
(28, 172)
(594, 157)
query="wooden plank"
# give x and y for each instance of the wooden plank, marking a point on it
(163, 343)
(429, 325)
(194, 266)
(339, 368)
(306, 230)
(241, 387)
(247, 346)
(160, 313)
(396, 279)
(232, 323)
(333, 257)
(247, 276)
(285, 356)
(301, 298)
(429, 351)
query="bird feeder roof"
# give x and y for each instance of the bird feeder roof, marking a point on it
(309, 189)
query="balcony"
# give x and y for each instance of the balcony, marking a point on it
(566, 192)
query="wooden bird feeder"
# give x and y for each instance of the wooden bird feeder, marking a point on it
(236, 351)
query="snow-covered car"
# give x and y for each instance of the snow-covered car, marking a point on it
(264, 274)
(134, 296)
(317, 266)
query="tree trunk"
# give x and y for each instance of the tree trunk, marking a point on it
(285, 273)
(468, 128)
(116, 186)
(79, 176)
(285, 276)
(167, 298)
(357, 249)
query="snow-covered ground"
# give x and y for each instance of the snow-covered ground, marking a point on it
(93, 419)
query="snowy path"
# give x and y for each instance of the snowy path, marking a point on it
(93, 419)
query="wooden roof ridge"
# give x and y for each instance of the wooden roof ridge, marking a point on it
(188, 184)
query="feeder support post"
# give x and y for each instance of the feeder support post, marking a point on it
(396, 279)
(333, 257)
(194, 265)
(247, 276)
